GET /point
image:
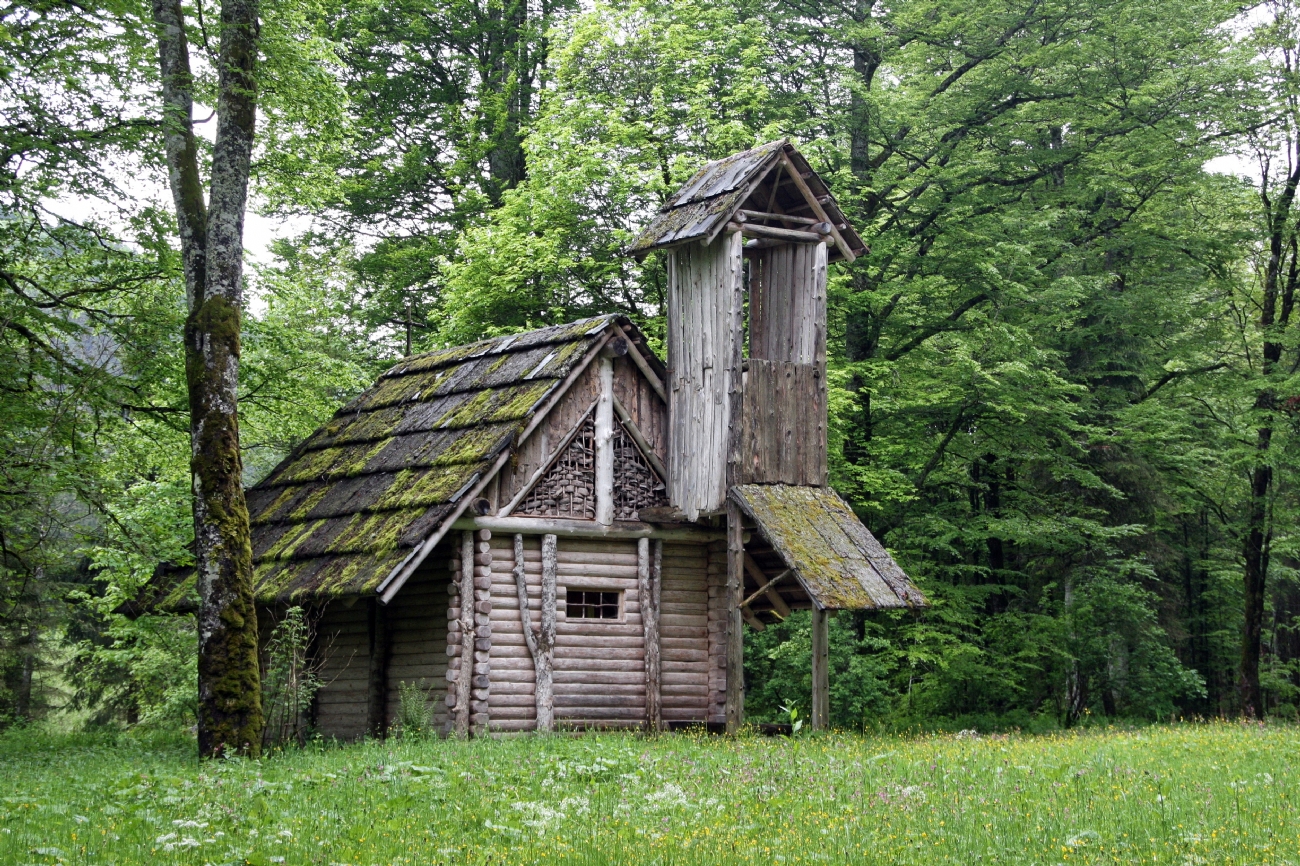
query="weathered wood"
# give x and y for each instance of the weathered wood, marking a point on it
(649, 572)
(402, 573)
(765, 588)
(753, 230)
(635, 432)
(735, 701)
(656, 384)
(545, 705)
(754, 622)
(380, 637)
(778, 603)
(783, 425)
(465, 624)
(543, 467)
(704, 283)
(604, 444)
(820, 670)
(624, 530)
(815, 204)
(762, 215)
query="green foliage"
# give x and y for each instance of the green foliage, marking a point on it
(414, 715)
(290, 678)
(1165, 795)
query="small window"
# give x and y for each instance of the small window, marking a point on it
(592, 604)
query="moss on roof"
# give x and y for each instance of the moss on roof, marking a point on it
(835, 557)
(358, 495)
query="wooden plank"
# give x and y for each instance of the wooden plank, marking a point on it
(735, 683)
(650, 580)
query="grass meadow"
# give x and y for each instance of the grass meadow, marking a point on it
(1189, 794)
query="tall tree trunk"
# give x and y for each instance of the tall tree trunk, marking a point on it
(212, 248)
(1276, 305)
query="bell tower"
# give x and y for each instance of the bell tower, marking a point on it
(748, 239)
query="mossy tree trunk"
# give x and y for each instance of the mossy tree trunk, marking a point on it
(212, 246)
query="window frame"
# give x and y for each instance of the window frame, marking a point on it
(622, 604)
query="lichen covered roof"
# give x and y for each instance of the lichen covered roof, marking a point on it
(719, 189)
(839, 562)
(353, 500)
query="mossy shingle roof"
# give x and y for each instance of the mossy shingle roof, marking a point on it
(837, 560)
(354, 499)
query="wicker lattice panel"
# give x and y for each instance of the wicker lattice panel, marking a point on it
(635, 484)
(569, 487)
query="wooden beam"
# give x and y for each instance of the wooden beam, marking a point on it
(625, 529)
(546, 464)
(761, 215)
(762, 590)
(840, 243)
(820, 674)
(481, 682)
(544, 698)
(750, 617)
(648, 572)
(380, 651)
(753, 230)
(778, 603)
(735, 701)
(604, 429)
(635, 432)
(465, 673)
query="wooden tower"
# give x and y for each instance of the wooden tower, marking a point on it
(748, 240)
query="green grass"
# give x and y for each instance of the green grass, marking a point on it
(1218, 793)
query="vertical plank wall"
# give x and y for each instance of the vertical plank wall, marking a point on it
(701, 355)
(632, 390)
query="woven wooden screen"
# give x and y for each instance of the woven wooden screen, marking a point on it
(569, 487)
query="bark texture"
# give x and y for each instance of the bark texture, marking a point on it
(1280, 279)
(230, 695)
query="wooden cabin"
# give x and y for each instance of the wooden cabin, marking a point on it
(556, 528)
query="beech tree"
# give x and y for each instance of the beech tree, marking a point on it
(212, 250)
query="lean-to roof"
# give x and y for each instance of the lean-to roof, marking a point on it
(837, 560)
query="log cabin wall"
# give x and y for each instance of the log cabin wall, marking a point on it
(704, 308)
(599, 672)
(343, 641)
(783, 438)
(416, 651)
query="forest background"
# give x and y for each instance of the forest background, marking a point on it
(1063, 382)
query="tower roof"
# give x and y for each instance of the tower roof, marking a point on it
(771, 184)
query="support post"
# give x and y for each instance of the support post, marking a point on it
(377, 689)
(545, 700)
(464, 663)
(648, 575)
(604, 424)
(821, 705)
(735, 707)
(481, 682)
